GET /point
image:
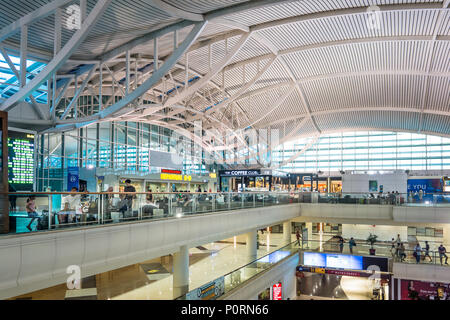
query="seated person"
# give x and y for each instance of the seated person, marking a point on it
(220, 199)
(31, 211)
(71, 206)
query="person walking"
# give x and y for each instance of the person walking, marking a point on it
(31, 211)
(393, 250)
(442, 254)
(399, 241)
(297, 235)
(341, 244)
(129, 197)
(401, 252)
(427, 251)
(351, 244)
(417, 252)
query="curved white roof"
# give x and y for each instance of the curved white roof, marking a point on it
(304, 67)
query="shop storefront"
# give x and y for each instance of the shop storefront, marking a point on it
(168, 180)
(253, 180)
(303, 182)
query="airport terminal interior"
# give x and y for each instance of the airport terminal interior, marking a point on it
(224, 150)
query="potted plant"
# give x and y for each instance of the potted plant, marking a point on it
(372, 239)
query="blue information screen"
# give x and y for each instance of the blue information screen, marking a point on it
(332, 260)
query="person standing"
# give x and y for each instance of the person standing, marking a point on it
(150, 196)
(417, 252)
(399, 241)
(351, 244)
(442, 254)
(341, 244)
(12, 197)
(393, 250)
(427, 251)
(297, 235)
(420, 195)
(129, 197)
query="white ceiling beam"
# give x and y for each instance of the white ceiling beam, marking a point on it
(204, 80)
(175, 12)
(61, 57)
(288, 70)
(430, 56)
(166, 67)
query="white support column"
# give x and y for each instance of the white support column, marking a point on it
(83, 10)
(23, 55)
(251, 243)
(181, 272)
(155, 54)
(309, 227)
(100, 87)
(127, 68)
(287, 230)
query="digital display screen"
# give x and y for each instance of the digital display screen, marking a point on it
(21, 160)
(340, 261)
(274, 257)
(331, 260)
(315, 259)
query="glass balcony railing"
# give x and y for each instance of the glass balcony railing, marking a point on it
(382, 249)
(31, 212)
(399, 199)
(40, 211)
(237, 277)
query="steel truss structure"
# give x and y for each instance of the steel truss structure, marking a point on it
(303, 68)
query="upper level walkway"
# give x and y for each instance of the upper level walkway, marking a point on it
(75, 210)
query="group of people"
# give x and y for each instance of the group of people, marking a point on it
(390, 197)
(398, 250)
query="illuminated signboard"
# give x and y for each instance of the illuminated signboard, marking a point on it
(177, 177)
(332, 260)
(239, 173)
(21, 160)
(348, 273)
(210, 291)
(276, 291)
(213, 175)
(170, 171)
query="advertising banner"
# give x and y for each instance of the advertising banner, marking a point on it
(276, 291)
(210, 291)
(422, 290)
(427, 185)
(72, 178)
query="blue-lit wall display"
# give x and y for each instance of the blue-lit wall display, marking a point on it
(315, 259)
(73, 174)
(274, 257)
(429, 186)
(331, 260)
